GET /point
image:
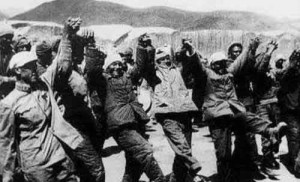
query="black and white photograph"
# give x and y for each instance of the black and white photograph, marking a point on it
(149, 91)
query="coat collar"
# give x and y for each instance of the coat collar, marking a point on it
(24, 87)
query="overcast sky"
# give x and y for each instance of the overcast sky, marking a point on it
(276, 8)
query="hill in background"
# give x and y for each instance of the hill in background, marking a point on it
(100, 13)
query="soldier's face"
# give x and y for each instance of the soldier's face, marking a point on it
(28, 73)
(165, 62)
(235, 52)
(116, 69)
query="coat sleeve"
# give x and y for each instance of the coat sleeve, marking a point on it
(145, 66)
(200, 74)
(61, 67)
(289, 82)
(8, 154)
(243, 62)
(262, 63)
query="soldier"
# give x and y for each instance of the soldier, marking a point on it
(288, 99)
(222, 109)
(31, 123)
(123, 111)
(265, 89)
(174, 110)
(22, 44)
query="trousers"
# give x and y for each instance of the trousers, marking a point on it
(178, 130)
(138, 153)
(221, 129)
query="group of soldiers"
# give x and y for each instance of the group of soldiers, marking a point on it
(60, 100)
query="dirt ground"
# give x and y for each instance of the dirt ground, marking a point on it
(203, 150)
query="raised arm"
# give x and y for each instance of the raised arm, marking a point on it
(263, 59)
(192, 68)
(61, 66)
(8, 154)
(291, 77)
(246, 60)
(144, 65)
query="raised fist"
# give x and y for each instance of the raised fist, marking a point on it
(187, 45)
(144, 40)
(71, 26)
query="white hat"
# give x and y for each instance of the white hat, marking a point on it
(163, 52)
(21, 58)
(218, 56)
(112, 57)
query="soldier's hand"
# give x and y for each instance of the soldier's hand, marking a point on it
(188, 46)
(271, 47)
(71, 26)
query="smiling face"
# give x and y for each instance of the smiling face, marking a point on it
(116, 69)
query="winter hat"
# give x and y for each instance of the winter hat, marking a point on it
(163, 51)
(127, 51)
(218, 56)
(111, 58)
(5, 29)
(21, 58)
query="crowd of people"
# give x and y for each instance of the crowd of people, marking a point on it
(61, 99)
